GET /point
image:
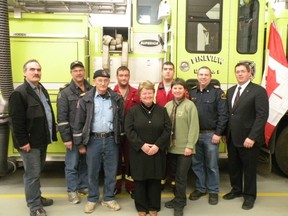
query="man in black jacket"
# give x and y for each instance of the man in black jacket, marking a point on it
(98, 127)
(211, 104)
(75, 163)
(33, 127)
(248, 107)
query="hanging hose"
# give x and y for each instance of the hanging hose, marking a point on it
(6, 165)
(6, 87)
(6, 83)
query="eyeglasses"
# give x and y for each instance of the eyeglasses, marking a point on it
(104, 81)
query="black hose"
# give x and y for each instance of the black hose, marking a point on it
(6, 88)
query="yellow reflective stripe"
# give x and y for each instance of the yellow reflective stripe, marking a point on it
(77, 135)
(63, 123)
(129, 178)
(118, 177)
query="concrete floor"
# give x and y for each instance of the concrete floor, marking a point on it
(272, 197)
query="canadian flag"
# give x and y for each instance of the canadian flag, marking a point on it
(276, 81)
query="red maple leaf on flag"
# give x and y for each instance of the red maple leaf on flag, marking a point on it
(271, 79)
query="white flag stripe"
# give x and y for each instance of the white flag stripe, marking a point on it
(278, 100)
(277, 108)
(281, 70)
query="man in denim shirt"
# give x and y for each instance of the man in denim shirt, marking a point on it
(98, 127)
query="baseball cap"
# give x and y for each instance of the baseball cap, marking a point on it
(76, 63)
(101, 73)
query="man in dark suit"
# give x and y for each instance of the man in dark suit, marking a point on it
(248, 112)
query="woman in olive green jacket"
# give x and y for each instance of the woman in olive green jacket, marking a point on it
(185, 131)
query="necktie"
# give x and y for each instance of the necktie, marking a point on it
(38, 89)
(237, 96)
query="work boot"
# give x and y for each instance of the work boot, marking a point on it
(90, 207)
(112, 204)
(73, 197)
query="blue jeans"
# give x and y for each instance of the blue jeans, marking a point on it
(102, 151)
(205, 164)
(33, 162)
(75, 170)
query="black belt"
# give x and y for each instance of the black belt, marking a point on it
(102, 135)
(207, 131)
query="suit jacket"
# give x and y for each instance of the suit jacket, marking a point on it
(249, 116)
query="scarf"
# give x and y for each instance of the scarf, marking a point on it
(173, 116)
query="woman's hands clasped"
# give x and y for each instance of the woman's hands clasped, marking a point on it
(150, 149)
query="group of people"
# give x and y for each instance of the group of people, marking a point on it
(153, 129)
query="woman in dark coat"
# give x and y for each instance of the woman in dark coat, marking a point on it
(148, 128)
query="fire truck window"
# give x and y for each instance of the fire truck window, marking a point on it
(147, 12)
(203, 26)
(248, 13)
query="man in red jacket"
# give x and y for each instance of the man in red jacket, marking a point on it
(131, 98)
(163, 92)
(163, 95)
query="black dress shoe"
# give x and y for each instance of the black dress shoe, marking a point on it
(170, 204)
(46, 201)
(195, 195)
(231, 195)
(248, 204)
(213, 199)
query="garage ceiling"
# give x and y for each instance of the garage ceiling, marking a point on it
(68, 6)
